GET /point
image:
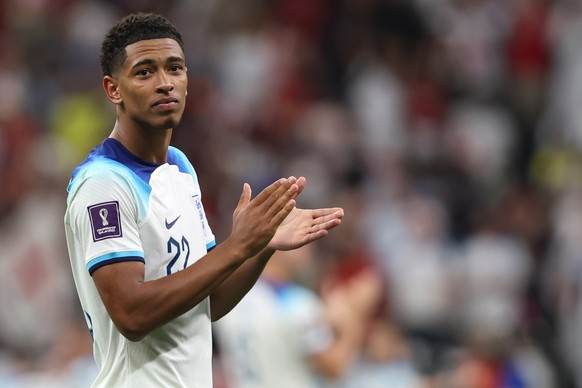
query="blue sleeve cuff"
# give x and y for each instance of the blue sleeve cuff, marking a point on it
(115, 257)
(210, 246)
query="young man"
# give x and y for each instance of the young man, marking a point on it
(284, 335)
(149, 275)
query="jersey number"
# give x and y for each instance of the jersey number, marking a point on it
(177, 248)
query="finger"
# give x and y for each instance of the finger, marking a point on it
(269, 191)
(324, 215)
(278, 218)
(245, 198)
(326, 222)
(322, 225)
(301, 182)
(331, 210)
(316, 235)
(281, 200)
(281, 195)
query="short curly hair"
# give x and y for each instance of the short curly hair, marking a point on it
(130, 29)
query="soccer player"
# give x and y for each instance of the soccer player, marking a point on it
(149, 274)
(284, 335)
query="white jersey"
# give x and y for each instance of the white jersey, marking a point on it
(265, 341)
(121, 208)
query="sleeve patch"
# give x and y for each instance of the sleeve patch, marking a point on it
(105, 220)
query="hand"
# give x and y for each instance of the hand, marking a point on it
(353, 304)
(302, 226)
(364, 292)
(256, 221)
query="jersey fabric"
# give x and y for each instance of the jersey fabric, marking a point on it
(121, 208)
(266, 339)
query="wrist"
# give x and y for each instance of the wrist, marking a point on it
(235, 251)
(265, 254)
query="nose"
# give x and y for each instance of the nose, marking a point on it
(165, 85)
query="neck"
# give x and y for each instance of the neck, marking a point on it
(148, 145)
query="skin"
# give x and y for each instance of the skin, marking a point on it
(149, 92)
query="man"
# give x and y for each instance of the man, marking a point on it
(284, 335)
(149, 275)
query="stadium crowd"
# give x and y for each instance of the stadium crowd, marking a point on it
(448, 130)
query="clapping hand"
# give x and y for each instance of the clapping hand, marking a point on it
(303, 226)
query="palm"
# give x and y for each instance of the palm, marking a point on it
(303, 226)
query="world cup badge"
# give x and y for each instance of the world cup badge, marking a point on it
(105, 220)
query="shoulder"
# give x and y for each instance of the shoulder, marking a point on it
(179, 159)
(102, 163)
(102, 172)
(296, 294)
(100, 168)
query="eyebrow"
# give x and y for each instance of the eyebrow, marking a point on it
(149, 61)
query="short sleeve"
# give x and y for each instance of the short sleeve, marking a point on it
(103, 212)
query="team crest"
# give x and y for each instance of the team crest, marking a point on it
(198, 205)
(105, 220)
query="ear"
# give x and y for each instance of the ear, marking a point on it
(186, 69)
(111, 87)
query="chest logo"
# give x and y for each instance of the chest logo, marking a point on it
(105, 220)
(169, 225)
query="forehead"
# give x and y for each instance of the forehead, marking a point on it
(154, 49)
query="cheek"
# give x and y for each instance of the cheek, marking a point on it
(182, 85)
(134, 101)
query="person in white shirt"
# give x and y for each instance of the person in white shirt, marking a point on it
(283, 334)
(148, 271)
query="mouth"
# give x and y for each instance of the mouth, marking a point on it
(166, 103)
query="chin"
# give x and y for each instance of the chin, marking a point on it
(169, 123)
(158, 123)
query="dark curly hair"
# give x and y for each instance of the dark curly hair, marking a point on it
(133, 28)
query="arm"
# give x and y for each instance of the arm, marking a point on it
(349, 311)
(336, 360)
(236, 286)
(137, 307)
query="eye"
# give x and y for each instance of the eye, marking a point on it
(143, 73)
(176, 68)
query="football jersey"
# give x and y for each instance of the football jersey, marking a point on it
(265, 341)
(121, 208)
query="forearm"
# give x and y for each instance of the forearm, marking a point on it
(335, 361)
(137, 307)
(232, 290)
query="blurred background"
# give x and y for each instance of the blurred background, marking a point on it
(449, 130)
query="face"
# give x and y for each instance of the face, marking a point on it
(150, 88)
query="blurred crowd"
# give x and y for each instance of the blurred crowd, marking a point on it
(447, 129)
